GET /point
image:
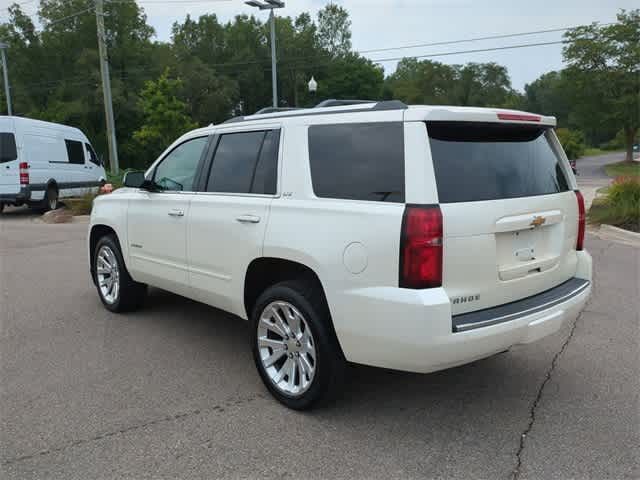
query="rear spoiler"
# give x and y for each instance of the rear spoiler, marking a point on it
(470, 114)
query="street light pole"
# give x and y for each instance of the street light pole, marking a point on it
(274, 75)
(271, 5)
(5, 74)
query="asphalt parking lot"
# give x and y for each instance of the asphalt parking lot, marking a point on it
(171, 391)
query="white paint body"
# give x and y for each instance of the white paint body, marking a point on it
(353, 247)
(42, 146)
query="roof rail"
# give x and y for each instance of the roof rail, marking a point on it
(276, 109)
(287, 112)
(332, 102)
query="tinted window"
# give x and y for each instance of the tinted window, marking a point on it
(93, 158)
(75, 152)
(235, 163)
(8, 149)
(484, 161)
(266, 171)
(363, 161)
(177, 170)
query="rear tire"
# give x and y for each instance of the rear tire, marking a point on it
(310, 344)
(116, 289)
(1, 207)
(50, 201)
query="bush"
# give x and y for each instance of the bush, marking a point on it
(622, 205)
(572, 142)
(81, 205)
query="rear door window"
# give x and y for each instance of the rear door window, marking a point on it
(75, 152)
(8, 150)
(245, 162)
(489, 161)
(358, 161)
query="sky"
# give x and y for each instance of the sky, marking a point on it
(385, 23)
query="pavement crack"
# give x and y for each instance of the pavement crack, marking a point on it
(121, 431)
(515, 474)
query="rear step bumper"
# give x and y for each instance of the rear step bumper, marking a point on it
(411, 330)
(521, 308)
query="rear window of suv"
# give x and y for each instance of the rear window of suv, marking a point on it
(490, 161)
(358, 161)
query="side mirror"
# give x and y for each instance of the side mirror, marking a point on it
(134, 180)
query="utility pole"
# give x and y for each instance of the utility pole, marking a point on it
(5, 73)
(106, 88)
(271, 5)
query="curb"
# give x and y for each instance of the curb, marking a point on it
(621, 232)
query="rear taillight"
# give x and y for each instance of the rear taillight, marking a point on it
(24, 173)
(421, 247)
(581, 221)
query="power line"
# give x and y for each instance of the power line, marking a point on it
(476, 50)
(68, 17)
(476, 39)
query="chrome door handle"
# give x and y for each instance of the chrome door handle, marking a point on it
(176, 213)
(248, 219)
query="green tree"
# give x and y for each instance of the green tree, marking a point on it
(334, 30)
(549, 95)
(604, 68)
(165, 117)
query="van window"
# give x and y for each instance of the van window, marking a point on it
(75, 152)
(488, 161)
(358, 161)
(245, 162)
(8, 149)
(93, 158)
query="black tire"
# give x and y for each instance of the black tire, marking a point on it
(131, 294)
(307, 297)
(50, 201)
(1, 207)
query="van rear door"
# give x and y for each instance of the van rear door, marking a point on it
(9, 163)
(509, 210)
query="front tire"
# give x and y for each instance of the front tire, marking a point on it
(294, 347)
(117, 290)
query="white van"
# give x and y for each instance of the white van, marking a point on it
(42, 162)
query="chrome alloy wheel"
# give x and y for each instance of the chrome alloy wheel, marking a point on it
(108, 274)
(287, 348)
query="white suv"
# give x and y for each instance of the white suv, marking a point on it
(413, 238)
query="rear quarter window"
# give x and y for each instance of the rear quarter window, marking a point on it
(8, 150)
(358, 161)
(490, 161)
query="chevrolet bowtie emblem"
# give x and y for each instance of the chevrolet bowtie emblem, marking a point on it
(537, 221)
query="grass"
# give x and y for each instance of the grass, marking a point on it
(603, 190)
(80, 205)
(594, 151)
(621, 206)
(623, 169)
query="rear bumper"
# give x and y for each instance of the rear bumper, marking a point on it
(20, 197)
(414, 330)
